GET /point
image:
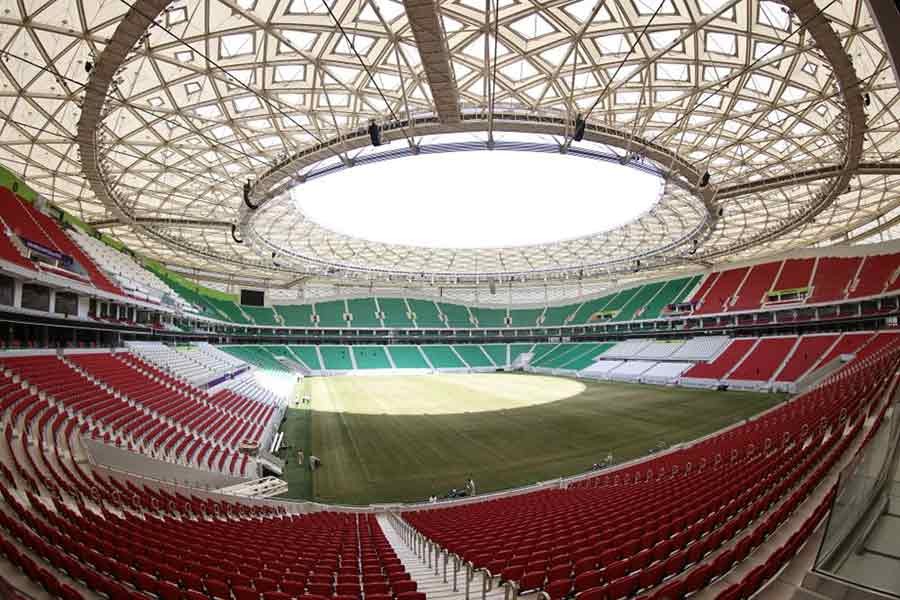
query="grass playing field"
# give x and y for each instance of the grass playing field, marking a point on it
(403, 438)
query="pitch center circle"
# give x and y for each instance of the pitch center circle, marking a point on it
(443, 394)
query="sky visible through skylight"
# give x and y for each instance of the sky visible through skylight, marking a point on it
(478, 199)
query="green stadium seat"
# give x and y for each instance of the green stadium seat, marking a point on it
(337, 358)
(258, 356)
(262, 315)
(585, 359)
(407, 357)
(540, 350)
(395, 312)
(674, 291)
(295, 315)
(473, 355)
(525, 317)
(621, 299)
(641, 297)
(364, 311)
(551, 359)
(584, 312)
(457, 315)
(556, 316)
(308, 355)
(229, 310)
(490, 318)
(426, 314)
(515, 350)
(442, 357)
(497, 352)
(370, 357)
(331, 314)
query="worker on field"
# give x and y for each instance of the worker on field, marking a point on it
(314, 462)
(300, 458)
(470, 487)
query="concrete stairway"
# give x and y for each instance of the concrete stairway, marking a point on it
(433, 585)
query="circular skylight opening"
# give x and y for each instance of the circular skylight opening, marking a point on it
(478, 199)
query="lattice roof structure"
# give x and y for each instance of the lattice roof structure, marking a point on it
(146, 117)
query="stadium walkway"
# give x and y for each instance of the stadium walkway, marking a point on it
(433, 585)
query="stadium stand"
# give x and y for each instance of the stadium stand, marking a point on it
(127, 274)
(395, 311)
(805, 355)
(198, 364)
(295, 315)
(370, 357)
(307, 355)
(473, 355)
(665, 372)
(539, 350)
(516, 350)
(129, 554)
(848, 343)
(703, 348)
(796, 273)
(659, 349)
(832, 278)
(562, 354)
(723, 363)
(586, 359)
(261, 315)
(489, 317)
(589, 311)
(635, 305)
(705, 519)
(229, 309)
(672, 291)
(599, 369)
(408, 357)
(331, 314)
(525, 317)
(764, 360)
(721, 291)
(458, 316)
(427, 315)
(876, 273)
(364, 312)
(257, 356)
(556, 315)
(630, 370)
(498, 353)
(442, 357)
(629, 348)
(757, 283)
(336, 358)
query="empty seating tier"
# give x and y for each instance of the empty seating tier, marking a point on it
(371, 357)
(758, 283)
(336, 358)
(331, 314)
(832, 278)
(725, 361)
(426, 314)
(364, 312)
(442, 357)
(666, 527)
(764, 360)
(408, 357)
(805, 355)
(473, 355)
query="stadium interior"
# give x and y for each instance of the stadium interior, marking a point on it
(449, 299)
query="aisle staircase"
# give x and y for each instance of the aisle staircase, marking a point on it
(433, 574)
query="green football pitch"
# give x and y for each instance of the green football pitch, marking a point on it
(404, 438)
